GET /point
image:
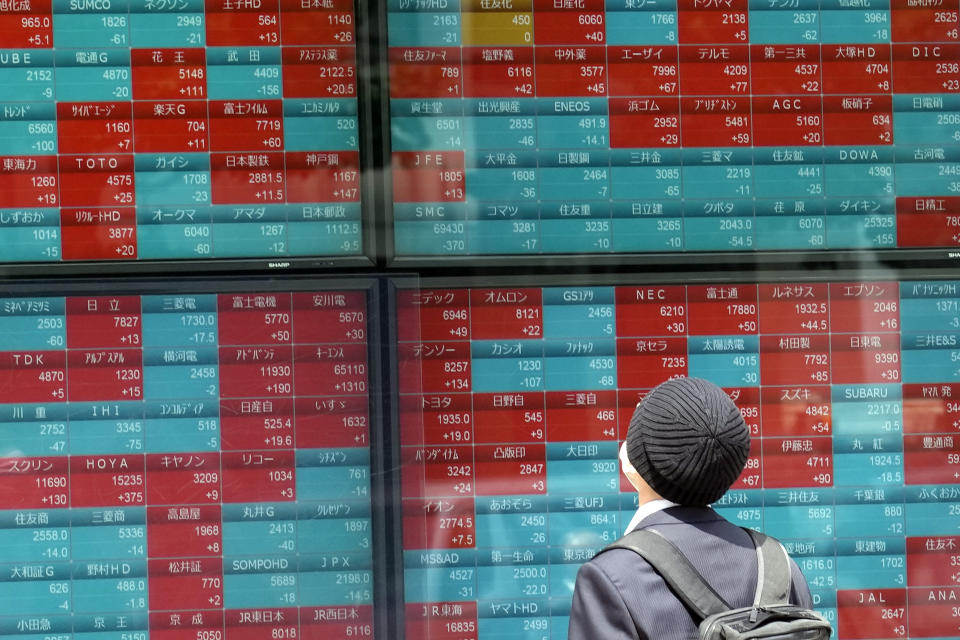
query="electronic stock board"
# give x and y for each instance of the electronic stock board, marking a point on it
(513, 402)
(186, 465)
(525, 127)
(178, 129)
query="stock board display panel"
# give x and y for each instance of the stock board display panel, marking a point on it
(513, 403)
(635, 126)
(185, 466)
(178, 129)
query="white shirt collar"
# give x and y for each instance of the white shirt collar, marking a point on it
(646, 509)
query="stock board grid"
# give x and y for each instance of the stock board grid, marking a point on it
(188, 467)
(634, 126)
(514, 401)
(174, 129)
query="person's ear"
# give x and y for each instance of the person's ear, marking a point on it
(627, 469)
(634, 478)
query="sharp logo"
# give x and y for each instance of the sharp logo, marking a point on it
(278, 265)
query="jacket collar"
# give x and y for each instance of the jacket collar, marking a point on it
(680, 515)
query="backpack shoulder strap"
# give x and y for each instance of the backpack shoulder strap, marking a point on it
(684, 580)
(773, 571)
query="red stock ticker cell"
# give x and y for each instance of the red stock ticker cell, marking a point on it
(856, 69)
(317, 23)
(254, 372)
(507, 72)
(444, 368)
(869, 307)
(651, 311)
(328, 72)
(914, 22)
(571, 71)
(322, 176)
(507, 469)
(858, 120)
(931, 458)
(794, 308)
(35, 483)
(96, 180)
(509, 417)
(582, 24)
(188, 478)
(931, 408)
(863, 614)
(111, 480)
(254, 319)
(329, 370)
(99, 127)
(436, 419)
(715, 121)
(266, 624)
(338, 317)
(238, 23)
(184, 532)
(104, 374)
(246, 125)
(438, 472)
(332, 422)
(168, 74)
(437, 523)
(29, 181)
(715, 70)
(646, 362)
(783, 70)
(32, 29)
(433, 314)
(722, 309)
(170, 126)
(35, 376)
(191, 624)
(425, 72)
(258, 476)
(98, 233)
(256, 423)
(428, 176)
(644, 122)
(103, 321)
(924, 68)
(928, 222)
(795, 359)
(171, 588)
(932, 612)
(793, 121)
(500, 314)
(930, 560)
(710, 21)
(576, 416)
(643, 71)
(865, 358)
(796, 411)
(442, 620)
(336, 622)
(797, 462)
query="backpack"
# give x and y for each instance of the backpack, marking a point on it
(770, 617)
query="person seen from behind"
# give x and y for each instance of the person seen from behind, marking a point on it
(687, 443)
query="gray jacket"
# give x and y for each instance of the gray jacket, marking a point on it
(618, 595)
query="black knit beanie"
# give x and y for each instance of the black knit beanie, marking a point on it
(688, 441)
